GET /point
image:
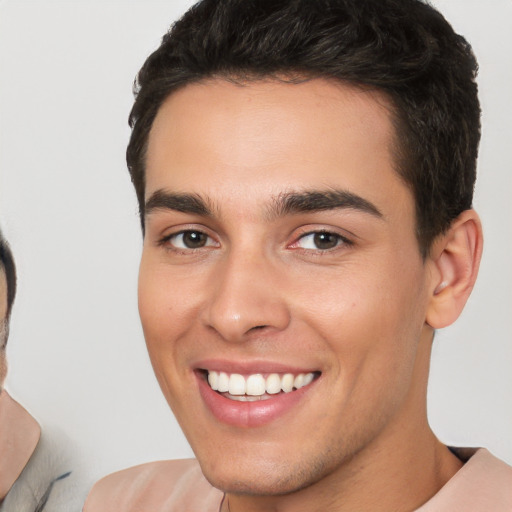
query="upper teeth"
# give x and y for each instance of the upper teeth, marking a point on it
(257, 384)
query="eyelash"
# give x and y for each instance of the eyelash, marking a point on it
(166, 240)
(340, 241)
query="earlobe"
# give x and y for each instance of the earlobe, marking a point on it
(455, 259)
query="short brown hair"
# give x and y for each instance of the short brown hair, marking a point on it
(404, 48)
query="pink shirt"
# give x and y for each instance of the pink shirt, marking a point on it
(484, 484)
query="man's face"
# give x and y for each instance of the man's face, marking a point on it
(280, 243)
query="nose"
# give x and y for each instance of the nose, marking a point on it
(247, 297)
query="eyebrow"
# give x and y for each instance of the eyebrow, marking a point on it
(290, 203)
(287, 203)
(184, 203)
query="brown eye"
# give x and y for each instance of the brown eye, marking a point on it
(321, 241)
(194, 239)
(325, 240)
(190, 240)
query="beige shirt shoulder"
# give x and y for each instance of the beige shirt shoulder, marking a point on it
(484, 484)
(164, 486)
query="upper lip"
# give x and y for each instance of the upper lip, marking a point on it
(251, 367)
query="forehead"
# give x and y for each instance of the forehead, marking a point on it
(220, 138)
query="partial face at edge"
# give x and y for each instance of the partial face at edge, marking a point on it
(3, 294)
(237, 277)
(3, 313)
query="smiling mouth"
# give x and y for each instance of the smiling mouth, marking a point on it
(257, 386)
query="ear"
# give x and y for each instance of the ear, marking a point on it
(455, 258)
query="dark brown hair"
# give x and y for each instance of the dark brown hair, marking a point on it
(403, 48)
(7, 265)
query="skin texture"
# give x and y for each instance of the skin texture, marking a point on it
(361, 313)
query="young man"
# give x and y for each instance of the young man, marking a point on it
(305, 174)
(35, 470)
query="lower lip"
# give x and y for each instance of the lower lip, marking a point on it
(249, 414)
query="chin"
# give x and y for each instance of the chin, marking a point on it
(262, 478)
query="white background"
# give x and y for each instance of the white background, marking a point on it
(76, 353)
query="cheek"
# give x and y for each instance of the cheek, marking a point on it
(169, 303)
(372, 335)
(369, 316)
(162, 322)
(158, 316)
(165, 301)
(152, 304)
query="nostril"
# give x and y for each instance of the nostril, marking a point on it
(257, 327)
